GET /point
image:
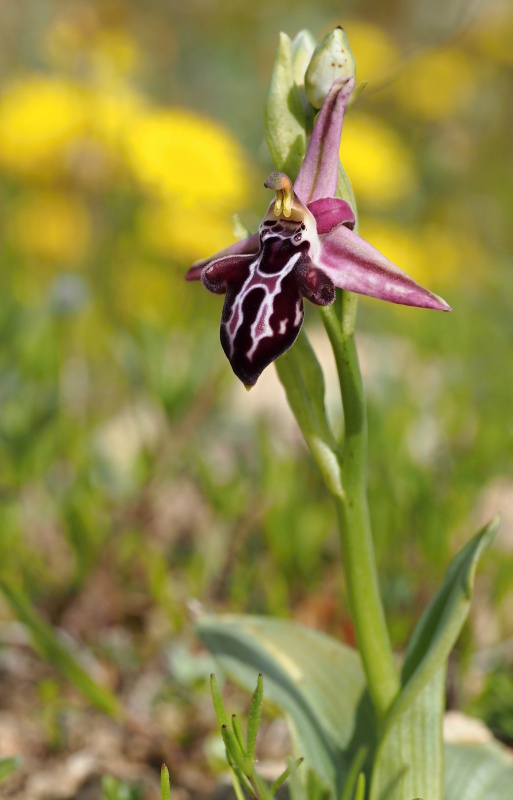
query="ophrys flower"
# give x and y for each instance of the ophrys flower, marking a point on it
(305, 247)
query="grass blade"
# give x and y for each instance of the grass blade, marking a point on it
(51, 649)
(217, 700)
(284, 775)
(254, 716)
(238, 733)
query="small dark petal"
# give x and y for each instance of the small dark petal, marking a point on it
(314, 284)
(230, 269)
(194, 273)
(244, 246)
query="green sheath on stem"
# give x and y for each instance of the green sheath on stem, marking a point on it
(353, 514)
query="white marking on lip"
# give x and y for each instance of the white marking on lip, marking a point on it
(261, 328)
(299, 314)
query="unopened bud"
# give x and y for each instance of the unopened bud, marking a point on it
(284, 114)
(332, 59)
(302, 49)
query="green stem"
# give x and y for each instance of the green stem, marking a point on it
(353, 514)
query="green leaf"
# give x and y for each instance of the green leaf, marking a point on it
(217, 700)
(409, 760)
(237, 788)
(441, 623)
(165, 787)
(292, 767)
(233, 751)
(302, 378)
(360, 787)
(478, 772)
(284, 115)
(351, 783)
(51, 649)
(316, 680)
(237, 731)
(8, 766)
(254, 716)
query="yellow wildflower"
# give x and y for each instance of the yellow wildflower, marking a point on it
(39, 116)
(379, 165)
(178, 153)
(401, 245)
(186, 234)
(428, 254)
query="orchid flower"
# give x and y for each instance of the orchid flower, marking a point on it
(305, 247)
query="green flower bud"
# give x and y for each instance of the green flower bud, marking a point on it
(284, 114)
(331, 59)
(302, 49)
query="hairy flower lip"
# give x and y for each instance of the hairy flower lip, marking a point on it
(301, 250)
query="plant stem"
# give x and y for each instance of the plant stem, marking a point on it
(353, 515)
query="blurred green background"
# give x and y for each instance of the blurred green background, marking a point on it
(136, 474)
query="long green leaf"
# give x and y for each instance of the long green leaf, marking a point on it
(441, 623)
(409, 760)
(317, 680)
(478, 772)
(50, 648)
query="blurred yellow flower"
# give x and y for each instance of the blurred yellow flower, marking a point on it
(181, 154)
(186, 234)
(436, 84)
(39, 116)
(431, 254)
(379, 165)
(401, 245)
(53, 226)
(373, 49)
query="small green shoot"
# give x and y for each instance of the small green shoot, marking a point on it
(255, 715)
(218, 701)
(238, 733)
(165, 786)
(240, 753)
